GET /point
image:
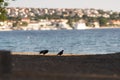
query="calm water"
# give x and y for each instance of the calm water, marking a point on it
(72, 41)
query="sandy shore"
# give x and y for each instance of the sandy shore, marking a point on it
(25, 53)
(33, 66)
(48, 54)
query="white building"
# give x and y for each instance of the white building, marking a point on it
(42, 25)
(80, 25)
(96, 25)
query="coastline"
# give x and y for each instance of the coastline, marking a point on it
(87, 28)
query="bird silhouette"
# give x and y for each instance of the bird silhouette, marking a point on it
(44, 52)
(60, 53)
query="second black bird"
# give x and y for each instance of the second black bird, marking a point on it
(60, 53)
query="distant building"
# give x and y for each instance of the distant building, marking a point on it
(115, 22)
(1, 23)
(33, 26)
(25, 20)
(80, 25)
(42, 25)
(96, 25)
(5, 26)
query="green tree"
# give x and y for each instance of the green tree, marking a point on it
(24, 24)
(76, 18)
(3, 12)
(70, 21)
(85, 17)
(103, 21)
(114, 16)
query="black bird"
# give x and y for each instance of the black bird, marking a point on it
(44, 52)
(60, 53)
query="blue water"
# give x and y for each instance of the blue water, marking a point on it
(93, 41)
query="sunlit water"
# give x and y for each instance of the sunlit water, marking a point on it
(94, 41)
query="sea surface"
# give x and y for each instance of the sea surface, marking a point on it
(91, 41)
